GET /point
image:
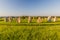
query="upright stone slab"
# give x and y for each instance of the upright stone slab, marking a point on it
(6, 19)
(29, 19)
(33, 18)
(55, 19)
(49, 19)
(39, 20)
(18, 20)
(9, 19)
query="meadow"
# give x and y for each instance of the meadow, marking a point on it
(29, 31)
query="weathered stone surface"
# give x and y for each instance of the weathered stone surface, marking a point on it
(49, 19)
(6, 19)
(39, 20)
(29, 19)
(9, 19)
(33, 18)
(55, 19)
(18, 20)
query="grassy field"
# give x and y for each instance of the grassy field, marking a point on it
(30, 31)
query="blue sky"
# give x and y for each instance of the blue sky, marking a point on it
(30, 7)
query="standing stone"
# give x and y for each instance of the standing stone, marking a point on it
(6, 19)
(33, 18)
(18, 20)
(55, 19)
(39, 20)
(49, 19)
(9, 19)
(29, 19)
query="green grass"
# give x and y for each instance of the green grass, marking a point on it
(30, 31)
